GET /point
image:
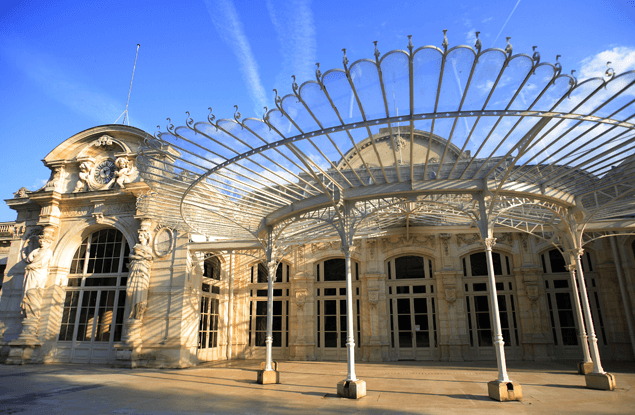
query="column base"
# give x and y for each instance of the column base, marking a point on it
(268, 377)
(274, 365)
(585, 367)
(22, 352)
(505, 391)
(351, 389)
(600, 381)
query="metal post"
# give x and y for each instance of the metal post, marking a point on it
(350, 333)
(578, 314)
(593, 341)
(499, 344)
(620, 278)
(271, 268)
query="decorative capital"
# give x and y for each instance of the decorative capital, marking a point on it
(489, 243)
(348, 249)
(571, 267)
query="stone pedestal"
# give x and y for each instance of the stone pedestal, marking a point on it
(30, 327)
(274, 365)
(23, 352)
(267, 377)
(600, 381)
(351, 389)
(585, 367)
(505, 391)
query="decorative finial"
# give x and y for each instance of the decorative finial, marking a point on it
(158, 131)
(445, 43)
(277, 100)
(189, 121)
(558, 65)
(610, 72)
(210, 117)
(573, 81)
(344, 59)
(237, 114)
(508, 48)
(376, 51)
(318, 73)
(478, 44)
(294, 86)
(536, 55)
(410, 46)
(170, 126)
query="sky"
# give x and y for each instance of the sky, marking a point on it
(65, 66)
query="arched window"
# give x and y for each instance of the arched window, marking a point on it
(96, 294)
(554, 262)
(412, 307)
(335, 270)
(210, 304)
(258, 307)
(475, 265)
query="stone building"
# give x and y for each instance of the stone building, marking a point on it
(418, 294)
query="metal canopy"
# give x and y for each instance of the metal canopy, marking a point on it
(407, 139)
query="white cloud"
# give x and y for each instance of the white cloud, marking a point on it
(60, 82)
(486, 20)
(230, 29)
(294, 25)
(622, 59)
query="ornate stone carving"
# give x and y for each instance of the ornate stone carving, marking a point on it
(532, 293)
(450, 294)
(466, 239)
(122, 175)
(524, 241)
(56, 180)
(445, 242)
(300, 297)
(139, 277)
(348, 249)
(505, 238)
(76, 211)
(84, 176)
(415, 240)
(36, 273)
(103, 141)
(373, 297)
(21, 193)
(371, 244)
(326, 246)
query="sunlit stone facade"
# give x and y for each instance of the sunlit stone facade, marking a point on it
(121, 289)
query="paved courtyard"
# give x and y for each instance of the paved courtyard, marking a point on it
(307, 387)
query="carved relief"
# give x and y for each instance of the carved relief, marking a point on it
(450, 294)
(532, 293)
(524, 241)
(415, 240)
(21, 193)
(371, 244)
(123, 173)
(373, 297)
(300, 297)
(325, 246)
(505, 238)
(445, 241)
(56, 180)
(76, 211)
(466, 239)
(84, 175)
(139, 277)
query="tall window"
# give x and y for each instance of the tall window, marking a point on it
(96, 291)
(477, 300)
(210, 301)
(258, 306)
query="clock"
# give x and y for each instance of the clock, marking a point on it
(104, 171)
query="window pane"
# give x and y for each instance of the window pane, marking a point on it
(335, 270)
(409, 267)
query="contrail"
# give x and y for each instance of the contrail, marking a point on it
(510, 16)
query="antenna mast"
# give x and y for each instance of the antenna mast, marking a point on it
(126, 119)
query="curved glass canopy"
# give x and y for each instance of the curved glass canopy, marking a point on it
(417, 137)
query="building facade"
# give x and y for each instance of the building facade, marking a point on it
(89, 279)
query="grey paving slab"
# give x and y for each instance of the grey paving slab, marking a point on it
(307, 387)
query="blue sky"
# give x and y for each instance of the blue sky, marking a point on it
(65, 66)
